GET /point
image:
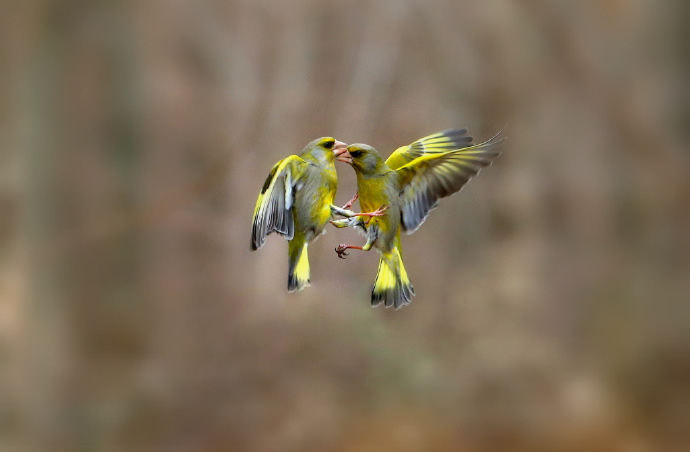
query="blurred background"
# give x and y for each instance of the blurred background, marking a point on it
(553, 293)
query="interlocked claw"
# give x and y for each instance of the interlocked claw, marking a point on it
(340, 249)
(377, 213)
(348, 205)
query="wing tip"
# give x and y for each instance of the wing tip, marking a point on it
(489, 147)
(255, 243)
(498, 138)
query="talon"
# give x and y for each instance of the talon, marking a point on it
(348, 205)
(340, 249)
(379, 212)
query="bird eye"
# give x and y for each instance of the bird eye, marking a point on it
(356, 154)
(329, 144)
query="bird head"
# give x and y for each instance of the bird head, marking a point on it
(324, 149)
(362, 157)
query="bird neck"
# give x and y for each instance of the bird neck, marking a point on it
(380, 170)
(321, 159)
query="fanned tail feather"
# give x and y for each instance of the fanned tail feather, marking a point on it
(392, 286)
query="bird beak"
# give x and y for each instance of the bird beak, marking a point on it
(339, 147)
(340, 152)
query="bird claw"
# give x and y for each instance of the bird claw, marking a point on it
(348, 205)
(379, 212)
(340, 249)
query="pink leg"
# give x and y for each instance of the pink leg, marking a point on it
(348, 205)
(377, 213)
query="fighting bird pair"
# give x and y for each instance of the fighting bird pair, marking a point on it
(296, 200)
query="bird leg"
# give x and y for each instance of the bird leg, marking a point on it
(350, 215)
(340, 249)
(335, 210)
(347, 222)
(348, 205)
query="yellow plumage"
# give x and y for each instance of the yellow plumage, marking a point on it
(409, 185)
(447, 140)
(392, 286)
(298, 269)
(295, 202)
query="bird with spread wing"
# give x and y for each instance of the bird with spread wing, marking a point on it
(295, 202)
(399, 193)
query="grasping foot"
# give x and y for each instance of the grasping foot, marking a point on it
(340, 249)
(348, 205)
(377, 213)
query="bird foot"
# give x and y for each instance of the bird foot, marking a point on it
(377, 213)
(340, 249)
(348, 205)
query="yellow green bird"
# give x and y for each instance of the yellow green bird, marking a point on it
(399, 193)
(295, 202)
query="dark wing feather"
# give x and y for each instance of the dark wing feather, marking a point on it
(273, 211)
(434, 176)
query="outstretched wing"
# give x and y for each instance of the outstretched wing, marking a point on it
(444, 141)
(273, 211)
(437, 175)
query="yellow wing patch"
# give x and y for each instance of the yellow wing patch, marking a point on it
(444, 141)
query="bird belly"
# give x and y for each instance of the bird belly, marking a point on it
(311, 213)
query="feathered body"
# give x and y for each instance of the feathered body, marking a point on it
(409, 185)
(295, 202)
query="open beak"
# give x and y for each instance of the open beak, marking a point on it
(340, 152)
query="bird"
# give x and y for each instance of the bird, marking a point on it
(398, 194)
(295, 202)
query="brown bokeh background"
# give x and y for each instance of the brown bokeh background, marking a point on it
(553, 293)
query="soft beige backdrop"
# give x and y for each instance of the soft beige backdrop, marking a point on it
(552, 293)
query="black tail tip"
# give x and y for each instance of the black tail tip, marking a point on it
(294, 285)
(396, 297)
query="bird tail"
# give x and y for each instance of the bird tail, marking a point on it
(392, 286)
(298, 267)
